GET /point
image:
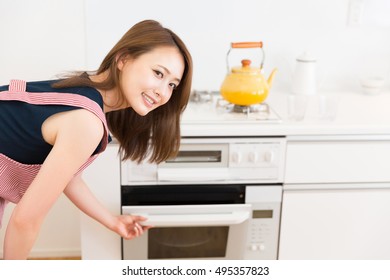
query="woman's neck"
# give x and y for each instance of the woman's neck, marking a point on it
(110, 97)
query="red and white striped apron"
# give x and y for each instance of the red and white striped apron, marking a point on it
(16, 177)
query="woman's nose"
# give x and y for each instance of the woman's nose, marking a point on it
(161, 93)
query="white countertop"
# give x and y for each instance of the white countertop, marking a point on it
(357, 114)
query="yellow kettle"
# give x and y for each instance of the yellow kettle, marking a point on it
(245, 85)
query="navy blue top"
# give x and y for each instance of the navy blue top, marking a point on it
(20, 122)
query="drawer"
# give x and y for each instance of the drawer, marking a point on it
(337, 161)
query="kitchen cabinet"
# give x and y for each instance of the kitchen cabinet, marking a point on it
(338, 159)
(336, 198)
(337, 223)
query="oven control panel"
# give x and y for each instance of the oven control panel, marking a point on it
(256, 161)
(263, 231)
(235, 160)
(254, 155)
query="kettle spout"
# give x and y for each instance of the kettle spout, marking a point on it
(271, 77)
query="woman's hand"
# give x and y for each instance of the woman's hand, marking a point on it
(129, 227)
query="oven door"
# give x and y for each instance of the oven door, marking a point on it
(190, 231)
(189, 221)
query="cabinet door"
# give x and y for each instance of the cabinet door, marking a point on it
(337, 161)
(335, 223)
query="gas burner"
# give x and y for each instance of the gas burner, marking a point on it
(256, 108)
(209, 107)
(202, 96)
(259, 111)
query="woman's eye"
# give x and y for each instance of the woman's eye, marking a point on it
(159, 74)
(173, 86)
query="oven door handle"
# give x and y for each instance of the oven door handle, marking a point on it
(192, 174)
(188, 216)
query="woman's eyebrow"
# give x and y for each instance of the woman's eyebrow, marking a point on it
(169, 72)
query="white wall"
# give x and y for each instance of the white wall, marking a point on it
(287, 28)
(42, 38)
(38, 40)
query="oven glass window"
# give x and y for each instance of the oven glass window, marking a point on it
(197, 156)
(187, 242)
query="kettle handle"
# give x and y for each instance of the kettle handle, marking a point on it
(245, 45)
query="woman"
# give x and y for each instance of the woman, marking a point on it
(54, 129)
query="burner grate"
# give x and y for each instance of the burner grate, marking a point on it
(210, 107)
(256, 108)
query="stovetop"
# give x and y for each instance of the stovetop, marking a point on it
(209, 107)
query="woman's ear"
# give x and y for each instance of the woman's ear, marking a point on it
(121, 59)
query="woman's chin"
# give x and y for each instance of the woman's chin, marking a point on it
(142, 111)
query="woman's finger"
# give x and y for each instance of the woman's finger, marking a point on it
(136, 230)
(141, 230)
(139, 218)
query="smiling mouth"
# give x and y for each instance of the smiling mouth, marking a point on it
(148, 99)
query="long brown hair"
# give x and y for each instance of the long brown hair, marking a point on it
(157, 134)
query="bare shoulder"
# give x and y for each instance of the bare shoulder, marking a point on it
(77, 126)
(84, 123)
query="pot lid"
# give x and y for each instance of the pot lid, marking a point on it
(246, 68)
(306, 57)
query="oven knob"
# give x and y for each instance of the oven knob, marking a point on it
(253, 157)
(261, 247)
(253, 247)
(269, 156)
(236, 157)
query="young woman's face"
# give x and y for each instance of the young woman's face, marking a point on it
(149, 81)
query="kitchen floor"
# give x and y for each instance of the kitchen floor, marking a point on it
(59, 258)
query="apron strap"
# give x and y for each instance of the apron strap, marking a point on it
(17, 86)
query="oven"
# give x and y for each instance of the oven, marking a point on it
(219, 198)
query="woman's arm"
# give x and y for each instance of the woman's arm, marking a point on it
(126, 226)
(77, 135)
